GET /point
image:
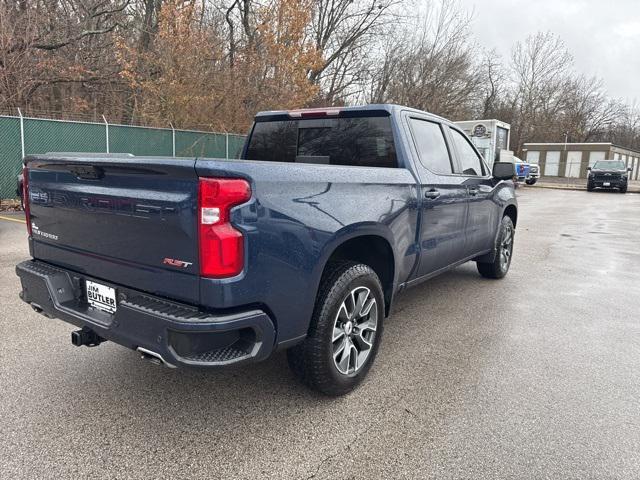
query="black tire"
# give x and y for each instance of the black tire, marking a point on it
(590, 187)
(623, 189)
(532, 181)
(498, 268)
(312, 361)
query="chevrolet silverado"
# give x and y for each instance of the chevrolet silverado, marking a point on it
(302, 244)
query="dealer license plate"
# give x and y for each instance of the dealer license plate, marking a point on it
(606, 184)
(101, 296)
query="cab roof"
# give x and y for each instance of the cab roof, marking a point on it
(377, 109)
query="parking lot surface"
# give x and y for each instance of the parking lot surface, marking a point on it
(534, 376)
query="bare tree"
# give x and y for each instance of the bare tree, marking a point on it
(589, 113)
(213, 63)
(433, 68)
(346, 33)
(55, 53)
(540, 69)
(493, 84)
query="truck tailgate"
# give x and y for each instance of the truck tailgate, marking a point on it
(128, 221)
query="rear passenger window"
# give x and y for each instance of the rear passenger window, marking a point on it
(469, 159)
(432, 149)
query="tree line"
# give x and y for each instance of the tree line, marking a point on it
(212, 64)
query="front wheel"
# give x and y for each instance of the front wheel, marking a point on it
(345, 330)
(623, 189)
(532, 181)
(504, 251)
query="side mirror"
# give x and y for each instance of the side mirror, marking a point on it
(629, 169)
(503, 170)
(589, 168)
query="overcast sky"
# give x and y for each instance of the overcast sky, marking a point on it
(602, 35)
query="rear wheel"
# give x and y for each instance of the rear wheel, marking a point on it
(345, 330)
(504, 251)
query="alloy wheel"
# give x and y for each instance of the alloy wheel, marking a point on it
(354, 330)
(506, 247)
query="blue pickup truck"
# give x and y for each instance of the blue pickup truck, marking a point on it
(301, 245)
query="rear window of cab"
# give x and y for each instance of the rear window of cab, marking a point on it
(355, 141)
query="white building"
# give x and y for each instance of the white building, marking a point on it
(572, 159)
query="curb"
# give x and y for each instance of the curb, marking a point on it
(561, 187)
(574, 187)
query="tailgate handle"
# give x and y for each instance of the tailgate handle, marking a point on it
(87, 172)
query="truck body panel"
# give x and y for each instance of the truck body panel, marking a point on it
(118, 220)
(133, 224)
(293, 225)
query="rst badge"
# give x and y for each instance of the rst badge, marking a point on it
(176, 263)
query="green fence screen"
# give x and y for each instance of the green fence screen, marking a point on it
(10, 156)
(44, 135)
(195, 144)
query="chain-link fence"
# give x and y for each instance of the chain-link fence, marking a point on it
(10, 156)
(24, 136)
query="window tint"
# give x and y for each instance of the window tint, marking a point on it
(360, 141)
(431, 146)
(273, 142)
(469, 159)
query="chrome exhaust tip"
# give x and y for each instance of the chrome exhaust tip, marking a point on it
(153, 357)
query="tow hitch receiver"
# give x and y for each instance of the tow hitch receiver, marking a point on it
(87, 337)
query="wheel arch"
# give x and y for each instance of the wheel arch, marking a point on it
(372, 248)
(511, 211)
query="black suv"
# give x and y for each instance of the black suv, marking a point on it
(608, 174)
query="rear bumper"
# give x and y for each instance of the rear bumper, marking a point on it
(178, 334)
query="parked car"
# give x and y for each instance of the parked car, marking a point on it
(522, 169)
(301, 245)
(526, 172)
(534, 174)
(608, 174)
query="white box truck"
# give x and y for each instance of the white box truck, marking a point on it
(489, 136)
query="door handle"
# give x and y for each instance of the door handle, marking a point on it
(432, 194)
(473, 191)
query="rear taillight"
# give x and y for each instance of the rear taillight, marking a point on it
(25, 197)
(221, 245)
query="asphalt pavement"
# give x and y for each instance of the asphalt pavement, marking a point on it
(534, 376)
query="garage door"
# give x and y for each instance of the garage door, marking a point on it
(574, 162)
(595, 157)
(551, 164)
(533, 157)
